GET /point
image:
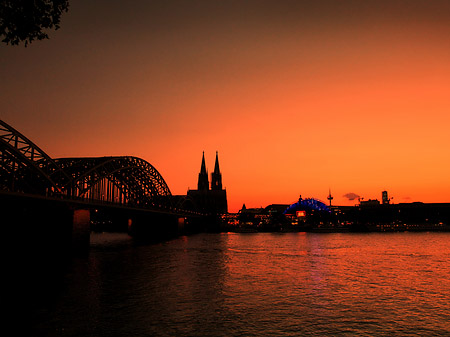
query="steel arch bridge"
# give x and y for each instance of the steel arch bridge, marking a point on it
(124, 180)
(25, 168)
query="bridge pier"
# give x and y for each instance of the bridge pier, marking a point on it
(152, 226)
(145, 224)
(44, 230)
(81, 231)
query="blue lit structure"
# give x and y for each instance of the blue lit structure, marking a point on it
(308, 204)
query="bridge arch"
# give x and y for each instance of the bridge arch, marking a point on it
(24, 167)
(126, 180)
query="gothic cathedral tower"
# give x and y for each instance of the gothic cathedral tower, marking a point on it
(203, 183)
(206, 200)
(216, 176)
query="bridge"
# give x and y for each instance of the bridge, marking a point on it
(38, 189)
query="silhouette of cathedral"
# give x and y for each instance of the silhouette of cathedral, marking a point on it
(210, 200)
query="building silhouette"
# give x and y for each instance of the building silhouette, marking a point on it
(203, 183)
(209, 200)
(384, 197)
(216, 176)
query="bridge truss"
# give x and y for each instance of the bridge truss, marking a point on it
(126, 180)
(25, 167)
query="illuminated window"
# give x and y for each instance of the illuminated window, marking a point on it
(301, 214)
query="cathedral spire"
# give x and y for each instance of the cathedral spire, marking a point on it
(203, 183)
(209, 199)
(216, 176)
(216, 166)
(203, 168)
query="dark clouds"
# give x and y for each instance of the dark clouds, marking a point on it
(351, 196)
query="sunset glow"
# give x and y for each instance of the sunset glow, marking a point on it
(296, 98)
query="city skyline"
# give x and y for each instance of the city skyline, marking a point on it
(297, 98)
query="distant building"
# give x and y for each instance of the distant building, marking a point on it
(330, 197)
(370, 202)
(251, 211)
(206, 200)
(384, 198)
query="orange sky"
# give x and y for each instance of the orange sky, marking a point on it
(297, 97)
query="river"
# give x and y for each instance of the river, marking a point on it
(253, 284)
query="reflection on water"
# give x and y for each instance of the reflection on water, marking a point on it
(255, 284)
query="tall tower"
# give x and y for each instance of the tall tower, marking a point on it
(384, 197)
(203, 183)
(206, 200)
(216, 176)
(330, 197)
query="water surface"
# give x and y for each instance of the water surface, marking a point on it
(255, 284)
